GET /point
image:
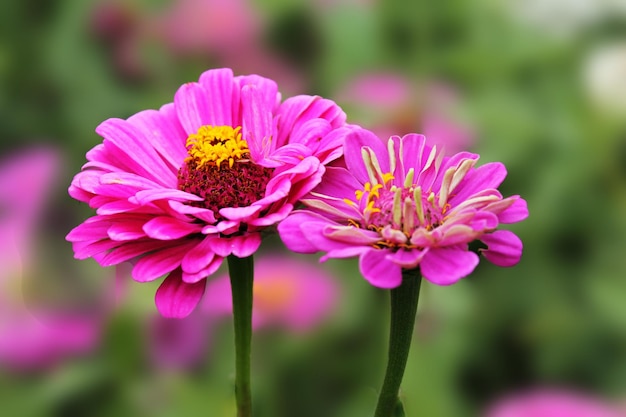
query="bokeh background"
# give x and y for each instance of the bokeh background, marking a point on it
(539, 85)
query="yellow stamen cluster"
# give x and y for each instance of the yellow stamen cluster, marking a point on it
(216, 144)
(373, 193)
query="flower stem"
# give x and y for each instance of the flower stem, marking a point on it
(241, 271)
(403, 309)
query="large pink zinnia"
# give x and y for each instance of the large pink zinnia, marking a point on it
(178, 189)
(403, 204)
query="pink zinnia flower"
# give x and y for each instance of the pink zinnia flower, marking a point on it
(552, 403)
(287, 292)
(176, 190)
(403, 204)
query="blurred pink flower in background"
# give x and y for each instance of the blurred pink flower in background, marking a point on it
(229, 32)
(119, 27)
(179, 344)
(209, 26)
(31, 336)
(551, 402)
(390, 104)
(287, 292)
(221, 33)
(26, 179)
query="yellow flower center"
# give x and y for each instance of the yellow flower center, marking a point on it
(216, 144)
(238, 184)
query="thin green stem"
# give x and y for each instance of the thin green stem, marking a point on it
(403, 309)
(241, 271)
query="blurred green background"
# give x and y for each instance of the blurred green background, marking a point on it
(540, 84)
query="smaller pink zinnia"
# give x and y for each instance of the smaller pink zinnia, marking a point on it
(403, 205)
(552, 403)
(287, 292)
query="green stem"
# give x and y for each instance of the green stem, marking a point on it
(403, 309)
(241, 271)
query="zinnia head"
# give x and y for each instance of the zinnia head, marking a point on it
(178, 189)
(402, 205)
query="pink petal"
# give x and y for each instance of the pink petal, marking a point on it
(198, 257)
(240, 213)
(331, 145)
(129, 145)
(225, 227)
(351, 235)
(344, 252)
(222, 246)
(219, 83)
(203, 214)
(378, 270)
(413, 150)
(90, 230)
(157, 264)
(484, 177)
(123, 206)
(297, 110)
(338, 183)
(123, 184)
(310, 133)
(131, 229)
(272, 218)
(504, 248)
(407, 259)
(210, 269)
(132, 250)
(192, 107)
(245, 245)
(445, 266)
(148, 196)
(293, 236)
(177, 299)
(354, 142)
(169, 228)
(516, 212)
(88, 249)
(165, 133)
(257, 121)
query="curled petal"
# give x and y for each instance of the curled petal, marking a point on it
(516, 212)
(378, 270)
(291, 232)
(407, 259)
(504, 248)
(354, 142)
(245, 245)
(157, 264)
(169, 228)
(445, 266)
(176, 298)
